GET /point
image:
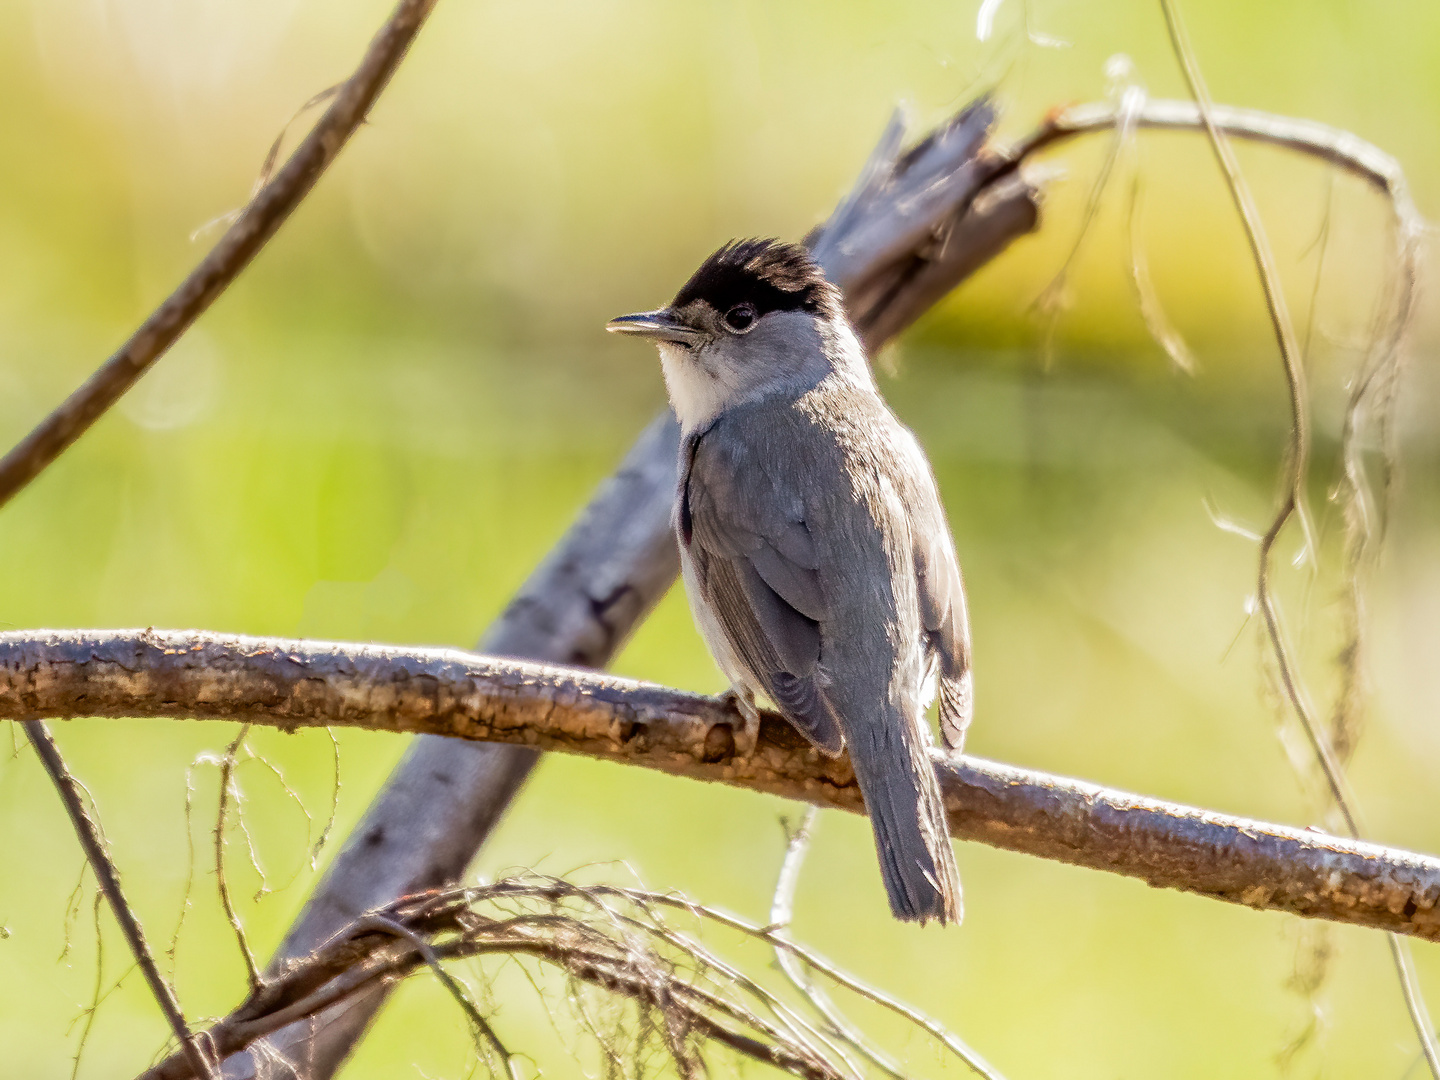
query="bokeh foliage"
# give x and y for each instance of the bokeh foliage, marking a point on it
(389, 419)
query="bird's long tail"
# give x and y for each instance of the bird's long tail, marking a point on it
(912, 837)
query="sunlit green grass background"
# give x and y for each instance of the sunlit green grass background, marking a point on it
(387, 421)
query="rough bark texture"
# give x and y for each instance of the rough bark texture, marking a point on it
(295, 684)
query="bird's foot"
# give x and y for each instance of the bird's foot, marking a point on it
(743, 702)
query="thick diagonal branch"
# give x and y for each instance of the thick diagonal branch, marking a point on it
(296, 684)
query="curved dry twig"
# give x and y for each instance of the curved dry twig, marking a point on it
(1334, 146)
(294, 684)
(222, 880)
(789, 959)
(779, 940)
(1292, 503)
(257, 223)
(1297, 465)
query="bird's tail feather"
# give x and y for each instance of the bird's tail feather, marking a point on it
(907, 814)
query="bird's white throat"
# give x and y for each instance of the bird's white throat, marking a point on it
(696, 396)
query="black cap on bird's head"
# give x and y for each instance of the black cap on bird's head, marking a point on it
(771, 275)
(741, 283)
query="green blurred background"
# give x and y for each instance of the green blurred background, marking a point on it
(387, 421)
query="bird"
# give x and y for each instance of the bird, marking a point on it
(815, 551)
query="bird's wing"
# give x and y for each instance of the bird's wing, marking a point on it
(756, 564)
(941, 591)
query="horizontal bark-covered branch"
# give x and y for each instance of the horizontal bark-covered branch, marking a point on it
(297, 684)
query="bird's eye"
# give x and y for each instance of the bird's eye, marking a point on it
(740, 318)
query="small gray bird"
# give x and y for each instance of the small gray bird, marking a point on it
(815, 551)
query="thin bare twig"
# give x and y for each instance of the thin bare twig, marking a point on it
(1315, 947)
(1292, 499)
(294, 684)
(319, 846)
(1132, 98)
(272, 158)
(89, 1013)
(796, 1028)
(931, 1027)
(482, 1027)
(782, 907)
(1297, 463)
(73, 904)
(1053, 298)
(312, 846)
(189, 817)
(613, 941)
(227, 780)
(108, 878)
(1334, 146)
(257, 223)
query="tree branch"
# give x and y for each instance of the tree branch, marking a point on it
(298, 684)
(108, 878)
(257, 223)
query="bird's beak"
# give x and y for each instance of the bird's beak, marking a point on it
(662, 325)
